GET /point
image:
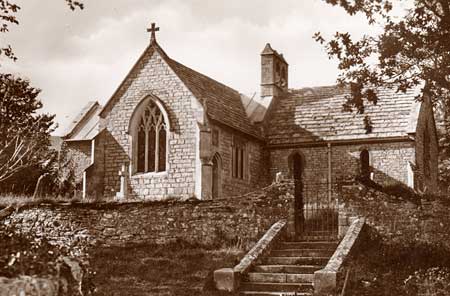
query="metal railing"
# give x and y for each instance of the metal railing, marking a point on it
(317, 212)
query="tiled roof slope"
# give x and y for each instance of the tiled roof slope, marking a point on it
(223, 103)
(315, 114)
(85, 126)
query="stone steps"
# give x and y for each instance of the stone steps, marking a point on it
(316, 238)
(276, 287)
(258, 277)
(256, 293)
(296, 260)
(302, 253)
(307, 245)
(288, 269)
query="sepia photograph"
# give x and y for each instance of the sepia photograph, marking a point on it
(238, 147)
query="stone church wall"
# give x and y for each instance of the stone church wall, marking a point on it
(153, 77)
(389, 162)
(256, 173)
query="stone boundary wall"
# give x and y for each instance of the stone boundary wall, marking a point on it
(395, 219)
(244, 218)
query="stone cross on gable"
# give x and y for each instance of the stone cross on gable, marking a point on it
(153, 29)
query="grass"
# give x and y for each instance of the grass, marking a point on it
(173, 269)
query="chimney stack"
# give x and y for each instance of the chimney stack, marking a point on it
(274, 73)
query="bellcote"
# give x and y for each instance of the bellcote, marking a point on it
(274, 72)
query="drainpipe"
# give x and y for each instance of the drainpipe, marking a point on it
(329, 172)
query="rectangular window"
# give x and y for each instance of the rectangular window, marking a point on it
(238, 154)
(215, 137)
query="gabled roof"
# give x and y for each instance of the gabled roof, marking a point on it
(223, 104)
(85, 125)
(316, 114)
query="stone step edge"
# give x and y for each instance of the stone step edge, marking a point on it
(307, 250)
(282, 277)
(290, 265)
(297, 257)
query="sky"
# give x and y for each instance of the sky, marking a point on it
(81, 56)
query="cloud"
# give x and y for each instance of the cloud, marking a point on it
(75, 57)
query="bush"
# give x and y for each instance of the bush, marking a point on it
(396, 268)
(23, 254)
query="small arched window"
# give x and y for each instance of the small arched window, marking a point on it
(365, 163)
(151, 142)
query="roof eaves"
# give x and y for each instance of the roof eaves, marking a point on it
(80, 117)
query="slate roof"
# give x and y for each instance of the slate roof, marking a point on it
(315, 114)
(223, 104)
(85, 125)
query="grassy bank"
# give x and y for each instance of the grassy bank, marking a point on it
(172, 269)
(400, 268)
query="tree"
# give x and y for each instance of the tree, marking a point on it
(8, 10)
(412, 50)
(24, 134)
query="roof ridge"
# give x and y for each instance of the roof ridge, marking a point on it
(205, 76)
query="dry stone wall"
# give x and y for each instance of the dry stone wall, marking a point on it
(397, 219)
(245, 218)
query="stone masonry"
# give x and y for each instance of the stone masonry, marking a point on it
(153, 77)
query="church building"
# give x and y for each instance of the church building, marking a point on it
(170, 131)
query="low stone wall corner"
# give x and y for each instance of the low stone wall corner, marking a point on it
(228, 279)
(326, 279)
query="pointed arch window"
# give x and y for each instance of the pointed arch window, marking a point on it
(151, 140)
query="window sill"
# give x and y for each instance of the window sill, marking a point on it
(149, 175)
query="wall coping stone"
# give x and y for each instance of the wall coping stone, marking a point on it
(228, 279)
(325, 280)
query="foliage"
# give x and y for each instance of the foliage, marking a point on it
(19, 255)
(8, 11)
(411, 50)
(432, 281)
(24, 134)
(394, 267)
(24, 254)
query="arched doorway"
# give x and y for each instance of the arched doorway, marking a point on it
(297, 167)
(216, 176)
